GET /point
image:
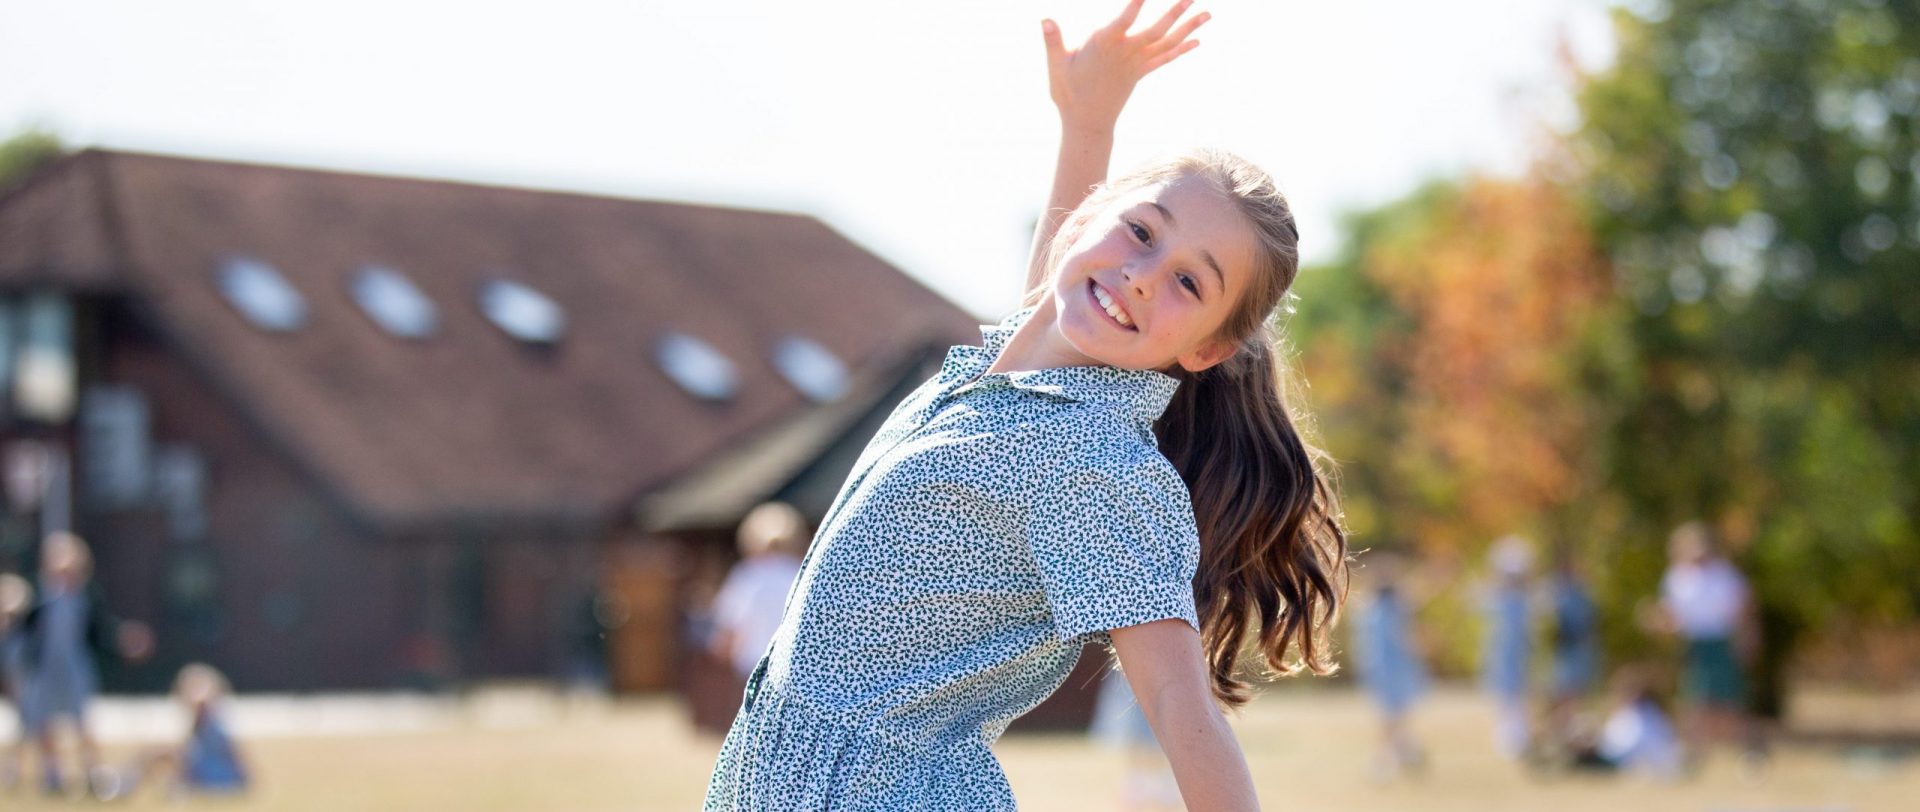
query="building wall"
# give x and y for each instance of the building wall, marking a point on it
(286, 591)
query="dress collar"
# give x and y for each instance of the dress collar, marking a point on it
(1144, 392)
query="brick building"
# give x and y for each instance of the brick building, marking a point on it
(332, 431)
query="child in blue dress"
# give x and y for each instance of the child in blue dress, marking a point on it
(1114, 464)
(1386, 648)
(67, 633)
(206, 762)
(1507, 663)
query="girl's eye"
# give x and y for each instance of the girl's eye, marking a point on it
(1188, 283)
(1140, 233)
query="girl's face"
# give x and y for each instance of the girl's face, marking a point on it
(1153, 277)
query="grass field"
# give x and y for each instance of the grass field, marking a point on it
(1308, 749)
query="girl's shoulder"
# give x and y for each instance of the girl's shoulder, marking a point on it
(1131, 479)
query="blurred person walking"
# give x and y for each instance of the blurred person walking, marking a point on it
(1705, 601)
(1507, 659)
(1386, 648)
(67, 633)
(747, 609)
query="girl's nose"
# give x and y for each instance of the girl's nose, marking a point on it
(1138, 279)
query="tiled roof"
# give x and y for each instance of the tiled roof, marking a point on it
(470, 423)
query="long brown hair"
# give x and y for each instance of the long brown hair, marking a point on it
(1272, 549)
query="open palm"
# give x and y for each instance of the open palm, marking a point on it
(1090, 84)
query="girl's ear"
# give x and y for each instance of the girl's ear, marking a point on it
(1208, 354)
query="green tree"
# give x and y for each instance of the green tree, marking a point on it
(1750, 168)
(26, 152)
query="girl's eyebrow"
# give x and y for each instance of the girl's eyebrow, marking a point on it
(1204, 253)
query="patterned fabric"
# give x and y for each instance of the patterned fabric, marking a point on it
(995, 524)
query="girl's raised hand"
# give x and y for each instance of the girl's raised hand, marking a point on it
(1090, 84)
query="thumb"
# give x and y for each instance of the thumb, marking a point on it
(1056, 50)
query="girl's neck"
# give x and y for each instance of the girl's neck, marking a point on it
(1036, 345)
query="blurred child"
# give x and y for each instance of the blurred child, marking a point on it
(16, 596)
(65, 633)
(1638, 736)
(747, 609)
(207, 762)
(1575, 646)
(1119, 723)
(1509, 644)
(1705, 601)
(1390, 667)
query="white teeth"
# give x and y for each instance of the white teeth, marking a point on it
(1111, 308)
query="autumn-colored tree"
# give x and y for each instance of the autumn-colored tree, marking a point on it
(1716, 317)
(1447, 353)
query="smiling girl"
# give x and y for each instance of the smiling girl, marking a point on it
(1115, 465)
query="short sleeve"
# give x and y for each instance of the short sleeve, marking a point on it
(1116, 550)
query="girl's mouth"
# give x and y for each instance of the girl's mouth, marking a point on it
(1109, 306)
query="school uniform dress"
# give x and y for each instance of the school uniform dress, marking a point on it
(61, 679)
(1576, 639)
(210, 763)
(1390, 667)
(1509, 648)
(994, 525)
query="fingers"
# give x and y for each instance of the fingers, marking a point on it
(1180, 34)
(1056, 50)
(1165, 22)
(1155, 63)
(1123, 22)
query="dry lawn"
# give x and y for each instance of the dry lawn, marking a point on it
(1308, 749)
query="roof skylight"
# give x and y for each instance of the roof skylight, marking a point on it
(523, 312)
(811, 368)
(394, 303)
(697, 367)
(261, 294)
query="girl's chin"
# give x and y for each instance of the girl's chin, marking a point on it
(1096, 351)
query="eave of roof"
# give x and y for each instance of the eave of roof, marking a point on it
(470, 426)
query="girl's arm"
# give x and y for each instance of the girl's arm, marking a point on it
(1164, 666)
(1090, 85)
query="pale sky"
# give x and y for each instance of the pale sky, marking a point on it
(921, 130)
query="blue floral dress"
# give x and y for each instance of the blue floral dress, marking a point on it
(995, 524)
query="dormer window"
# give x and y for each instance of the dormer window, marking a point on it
(393, 302)
(697, 367)
(261, 294)
(523, 312)
(810, 368)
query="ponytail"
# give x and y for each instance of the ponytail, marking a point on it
(1272, 551)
